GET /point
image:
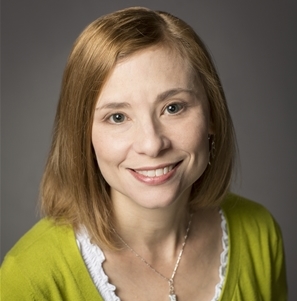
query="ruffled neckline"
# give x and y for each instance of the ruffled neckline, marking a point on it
(94, 257)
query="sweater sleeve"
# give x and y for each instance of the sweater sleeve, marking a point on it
(45, 264)
(278, 273)
(15, 285)
(256, 268)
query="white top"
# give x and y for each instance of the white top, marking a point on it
(94, 258)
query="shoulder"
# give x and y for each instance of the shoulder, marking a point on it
(248, 214)
(234, 202)
(253, 232)
(43, 235)
(38, 261)
(46, 264)
(255, 250)
(251, 225)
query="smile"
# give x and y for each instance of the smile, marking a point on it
(156, 172)
(155, 176)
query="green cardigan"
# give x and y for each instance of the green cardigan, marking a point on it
(46, 263)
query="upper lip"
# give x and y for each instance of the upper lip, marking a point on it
(156, 167)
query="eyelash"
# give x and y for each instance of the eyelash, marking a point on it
(181, 107)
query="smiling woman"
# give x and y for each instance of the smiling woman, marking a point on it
(136, 188)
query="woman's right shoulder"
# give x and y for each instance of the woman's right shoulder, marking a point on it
(46, 264)
(39, 262)
(44, 235)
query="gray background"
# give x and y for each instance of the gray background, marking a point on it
(254, 46)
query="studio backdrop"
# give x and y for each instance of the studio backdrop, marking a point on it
(254, 48)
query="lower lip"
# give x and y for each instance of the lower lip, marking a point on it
(154, 180)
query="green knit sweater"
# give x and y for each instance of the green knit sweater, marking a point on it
(46, 263)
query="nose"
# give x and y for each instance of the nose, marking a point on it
(150, 138)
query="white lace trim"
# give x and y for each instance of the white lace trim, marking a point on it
(223, 258)
(94, 258)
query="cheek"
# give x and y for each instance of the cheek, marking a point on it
(192, 136)
(197, 147)
(108, 149)
(101, 144)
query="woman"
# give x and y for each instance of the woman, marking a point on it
(135, 191)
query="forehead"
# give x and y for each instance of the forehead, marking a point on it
(164, 54)
(154, 68)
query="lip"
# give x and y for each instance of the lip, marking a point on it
(155, 175)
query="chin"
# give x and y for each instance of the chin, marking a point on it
(160, 200)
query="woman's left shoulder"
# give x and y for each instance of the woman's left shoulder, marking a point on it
(240, 209)
(250, 219)
(256, 251)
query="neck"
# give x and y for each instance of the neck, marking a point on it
(151, 231)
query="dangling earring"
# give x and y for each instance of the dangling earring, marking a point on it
(212, 148)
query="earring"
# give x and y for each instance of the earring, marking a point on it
(212, 148)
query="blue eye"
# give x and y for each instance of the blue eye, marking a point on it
(173, 108)
(117, 118)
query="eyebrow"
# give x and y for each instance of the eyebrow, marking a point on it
(160, 97)
(173, 92)
(114, 105)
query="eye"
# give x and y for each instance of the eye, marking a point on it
(173, 108)
(117, 118)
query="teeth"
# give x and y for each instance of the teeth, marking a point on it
(159, 172)
(142, 172)
(151, 173)
(155, 173)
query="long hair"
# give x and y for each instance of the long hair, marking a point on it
(73, 189)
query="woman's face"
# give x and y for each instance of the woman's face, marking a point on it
(150, 129)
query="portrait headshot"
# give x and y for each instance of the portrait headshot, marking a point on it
(149, 150)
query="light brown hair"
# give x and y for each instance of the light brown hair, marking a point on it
(73, 189)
